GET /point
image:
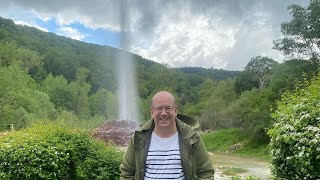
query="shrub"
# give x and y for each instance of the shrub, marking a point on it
(295, 136)
(56, 152)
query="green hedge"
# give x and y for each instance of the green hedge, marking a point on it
(55, 152)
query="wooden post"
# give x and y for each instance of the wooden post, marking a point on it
(11, 127)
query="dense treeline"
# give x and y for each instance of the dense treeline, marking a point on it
(46, 76)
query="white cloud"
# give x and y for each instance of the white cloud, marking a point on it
(197, 41)
(21, 16)
(32, 25)
(92, 14)
(70, 32)
(219, 34)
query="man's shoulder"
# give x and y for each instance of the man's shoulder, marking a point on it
(188, 120)
(186, 130)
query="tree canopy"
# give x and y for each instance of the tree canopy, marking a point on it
(302, 34)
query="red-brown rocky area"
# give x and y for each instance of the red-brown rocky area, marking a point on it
(118, 132)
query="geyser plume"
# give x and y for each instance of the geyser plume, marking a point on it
(119, 131)
(127, 90)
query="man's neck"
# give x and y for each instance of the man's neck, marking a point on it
(165, 132)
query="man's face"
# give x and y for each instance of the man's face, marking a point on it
(163, 111)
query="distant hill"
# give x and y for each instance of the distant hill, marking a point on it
(214, 74)
(63, 56)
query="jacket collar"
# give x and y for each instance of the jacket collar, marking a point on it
(149, 125)
(183, 129)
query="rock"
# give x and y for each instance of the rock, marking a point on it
(235, 147)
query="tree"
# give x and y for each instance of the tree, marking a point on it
(252, 111)
(204, 91)
(79, 90)
(255, 75)
(287, 74)
(213, 116)
(21, 101)
(58, 90)
(259, 68)
(244, 82)
(302, 34)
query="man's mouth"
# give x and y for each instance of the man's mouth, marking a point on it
(164, 119)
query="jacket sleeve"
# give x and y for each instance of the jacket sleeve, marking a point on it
(205, 169)
(127, 167)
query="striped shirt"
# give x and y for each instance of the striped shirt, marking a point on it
(163, 160)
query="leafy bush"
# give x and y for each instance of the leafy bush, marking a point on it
(56, 152)
(295, 136)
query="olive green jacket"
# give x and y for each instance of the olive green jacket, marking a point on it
(195, 159)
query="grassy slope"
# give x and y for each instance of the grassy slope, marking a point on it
(220, 141)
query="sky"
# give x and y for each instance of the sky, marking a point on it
(222, 34)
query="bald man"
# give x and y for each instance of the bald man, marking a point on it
(165, 147)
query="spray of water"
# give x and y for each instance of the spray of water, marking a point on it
(127, 90)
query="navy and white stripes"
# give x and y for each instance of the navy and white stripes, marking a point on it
(163, 160)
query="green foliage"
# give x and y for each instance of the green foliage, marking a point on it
(79, 90)
(10, 54)
(287, 74)
(252, 109)
(295, 136)
(158, 77)
(196, 108)
(301, 34)
(56, 152)
(21, 100)
(256, 74)
(58, 90)
(144, 106)
(216, 115)
(70, 119)
(244, 82)
(213, 74)
(103, 103)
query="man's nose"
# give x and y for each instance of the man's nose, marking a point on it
(163, 111)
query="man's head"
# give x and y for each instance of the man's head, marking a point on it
(164, 110)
